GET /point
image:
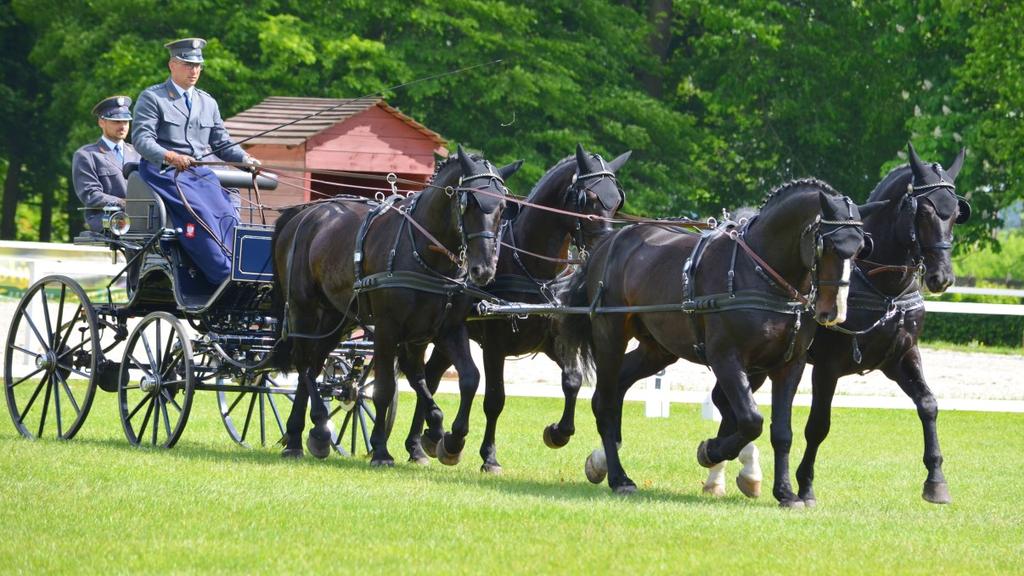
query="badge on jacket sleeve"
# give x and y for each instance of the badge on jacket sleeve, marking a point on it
(190, 230)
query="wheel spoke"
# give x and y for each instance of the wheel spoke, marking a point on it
(139, 365)
(137, 408)
(56, 406)
(73, 349)
(238, 399)
(168, 368)
(32, 400)
(277, 416)
(46, 316)
(248, 416)
(156, 417)
(149, 351)
(71, 325)
(71, 397)
(362, 425)
(145, 419)
(85, 375)
(167, 420)
(171, 399)
(60, 313)
(157, 355)
(263, 420)
(35, 330)
(46, 406)
(25, 351)
(31, 374)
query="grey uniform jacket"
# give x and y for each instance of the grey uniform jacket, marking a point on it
(162, 122)
(96, 173)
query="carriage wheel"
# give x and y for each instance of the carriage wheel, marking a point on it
(50, 359)
(252, 416)
(157, 382)
(352, 415)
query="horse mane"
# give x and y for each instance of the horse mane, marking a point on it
(448, 161)
(886, 189)
(786, 188)
(553, 173)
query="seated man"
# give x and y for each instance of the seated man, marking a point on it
(176, 123)
(96, 168)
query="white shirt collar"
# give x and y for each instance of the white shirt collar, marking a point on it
(181, 91)
(111, 144)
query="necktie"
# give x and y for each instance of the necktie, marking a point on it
(188, 101)
(120, 155)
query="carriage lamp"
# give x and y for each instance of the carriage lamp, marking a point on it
(116, 220)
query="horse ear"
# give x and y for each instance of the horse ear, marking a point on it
(826, 208)
(581, 155)
(460, 151)
(506, 171)
(916, 165)
(870, 208)
(957, 164)
(614, 165)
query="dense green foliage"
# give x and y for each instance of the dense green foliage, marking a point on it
(976, 329)
(1004, 264)
(94, 505)
(719, 101)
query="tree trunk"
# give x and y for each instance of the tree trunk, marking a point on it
(46, 213)
(12, 189)
(659, 16)
(76, 223)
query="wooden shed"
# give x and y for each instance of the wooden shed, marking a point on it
(364, 136)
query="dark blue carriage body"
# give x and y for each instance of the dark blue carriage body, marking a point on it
(251, 256)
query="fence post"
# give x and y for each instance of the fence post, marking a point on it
(657, 405)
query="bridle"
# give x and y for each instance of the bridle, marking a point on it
(493, 180)
(578, 189)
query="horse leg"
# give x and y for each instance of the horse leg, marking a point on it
(907, 372)
(609, 344)
(749, 478)
(384, 385)
(749, 423)
(784, 384)
(558, 434)
(823, 382)
(494, 403)
(418, 446)
(318, 441)
(645, 361)
(456, 347)
(296, 423)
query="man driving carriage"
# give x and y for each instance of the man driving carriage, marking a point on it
(176, 124)
(96, 168)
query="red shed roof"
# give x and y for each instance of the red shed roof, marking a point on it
(323, 113)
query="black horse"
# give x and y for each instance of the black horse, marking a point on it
(732, 298)
(399, 265)
(912, 235)
(535, 254)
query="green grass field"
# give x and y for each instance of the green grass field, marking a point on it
(96, 506)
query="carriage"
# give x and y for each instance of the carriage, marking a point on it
(158, 332)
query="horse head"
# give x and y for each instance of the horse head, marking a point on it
(481, 199)
(838, 237)
(595, 191)
(927, 213)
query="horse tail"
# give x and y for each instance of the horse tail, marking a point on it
(575, 342)
(281, 355)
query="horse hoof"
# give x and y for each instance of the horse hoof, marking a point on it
(382, 463)
(750, 487)
(625, 489)
(492, 469)
(714, 490)
(445, 457)
(419, 460)
(596, 466)
(810, 502)
(292, 453)
(936, 493)
(791, 504)
(317, 447)
(702, 455)
(553, 438)
(429, 445)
